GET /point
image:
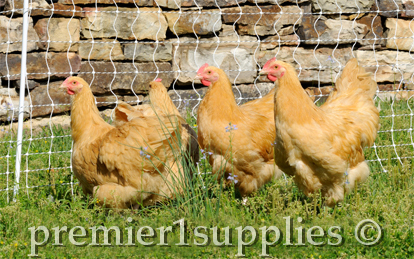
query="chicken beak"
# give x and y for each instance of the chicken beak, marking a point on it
(263, 72)
(197, 79)
(63, 86)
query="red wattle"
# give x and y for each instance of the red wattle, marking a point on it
(205, 82)
(271, 77)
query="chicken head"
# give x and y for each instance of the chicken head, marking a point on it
(73, 85)
(274, 69)
(207, 75)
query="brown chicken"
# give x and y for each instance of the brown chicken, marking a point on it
(130, 164)
(322, 147)
(239, 137)
(160, 98)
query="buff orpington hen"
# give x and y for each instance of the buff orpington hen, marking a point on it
(189, 145)
(239, 138)
(322, 147)
(129, 164)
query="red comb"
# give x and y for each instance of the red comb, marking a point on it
(67, 79)
(268, 62)
(158, 80)
(201, 69)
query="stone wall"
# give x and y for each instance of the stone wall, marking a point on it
(119, 48)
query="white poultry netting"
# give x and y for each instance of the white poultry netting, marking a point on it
(118, 46)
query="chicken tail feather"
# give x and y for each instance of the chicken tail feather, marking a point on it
(355, 77)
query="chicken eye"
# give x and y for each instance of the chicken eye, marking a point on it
(209, 72)
(73, 83)
(276, 67)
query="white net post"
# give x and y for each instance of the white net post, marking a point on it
(21, 94)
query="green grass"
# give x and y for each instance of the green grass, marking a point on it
(387, 198)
